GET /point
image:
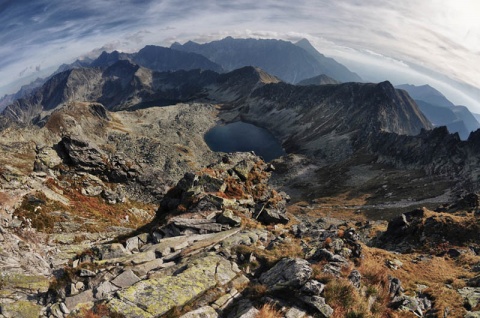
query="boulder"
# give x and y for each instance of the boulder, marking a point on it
(20, 308)
(82, 298)
(227, 217)
(202, 312)
(272, 216)
(243, 309)
(287, 273)
(312, 288)
(319, 304)
(104, 290)
(158, 295)
(355, 278)
(471, 296)
(125, 279)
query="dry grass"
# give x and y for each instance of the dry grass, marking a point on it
(434, 273)
(269, 257)
(268, 311)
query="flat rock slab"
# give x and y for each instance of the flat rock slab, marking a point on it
(21, 308)
(157, 296)
(287, 273)
(82, 298)
(125, 279)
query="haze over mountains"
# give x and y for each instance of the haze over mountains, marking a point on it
(441, 112)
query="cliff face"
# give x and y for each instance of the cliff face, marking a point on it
(330, 121)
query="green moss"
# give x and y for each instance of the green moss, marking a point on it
(158, 296)
(21, 309)
(15, 280)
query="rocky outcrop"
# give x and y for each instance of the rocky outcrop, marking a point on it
(436, 232)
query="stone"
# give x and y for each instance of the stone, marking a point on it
(355, 278)
(64, 308)
(272, 216)
(202, 312)
(158, 295)
(243, 168)
(243, 309)
(287, 273)
(198, 224)
(114, 250)
(472, 314)
(394, 264)
(337, 245)
(105, 289)
(319, 304)
(312, 287)
(143, 269)
(474, 282)
(322, 255)
(82, 298)
(56, 311)
(295, 312)
(471, 296)
(21, 308)
(224, 301)
(454, 253)
(395, 287)
(86, 273)
(407, 303)
(125, 279)
(132, 244)
(227, 217)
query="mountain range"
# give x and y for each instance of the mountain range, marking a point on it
(441, 112)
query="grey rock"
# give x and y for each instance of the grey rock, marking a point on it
(86, 273)
(474, 282)
(287, 273)
(471, 296)
(114, 250)
(73, 301)
(395, 288)
(407, 303)
(355, 277)
(272, 216)
(202, 312)
(472, 314)
(105, 289)
(337, 245)
(132, 244)
(125, 279)
(56, 311)
(312, 288)
(64, 308)
(143, 269)
(243, 309)
(227, 217)
(295, 312)
(319, 304)
(322, 255)
(243, 168)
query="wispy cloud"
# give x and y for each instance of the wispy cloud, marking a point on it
(444, 36)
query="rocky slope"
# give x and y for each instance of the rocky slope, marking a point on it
(223, 244)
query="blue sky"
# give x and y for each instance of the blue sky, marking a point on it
(419, 42)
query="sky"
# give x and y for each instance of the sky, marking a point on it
(435, 42)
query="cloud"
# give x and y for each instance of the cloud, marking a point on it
(435, 35)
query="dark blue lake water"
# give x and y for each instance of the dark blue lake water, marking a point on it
(240, 136)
